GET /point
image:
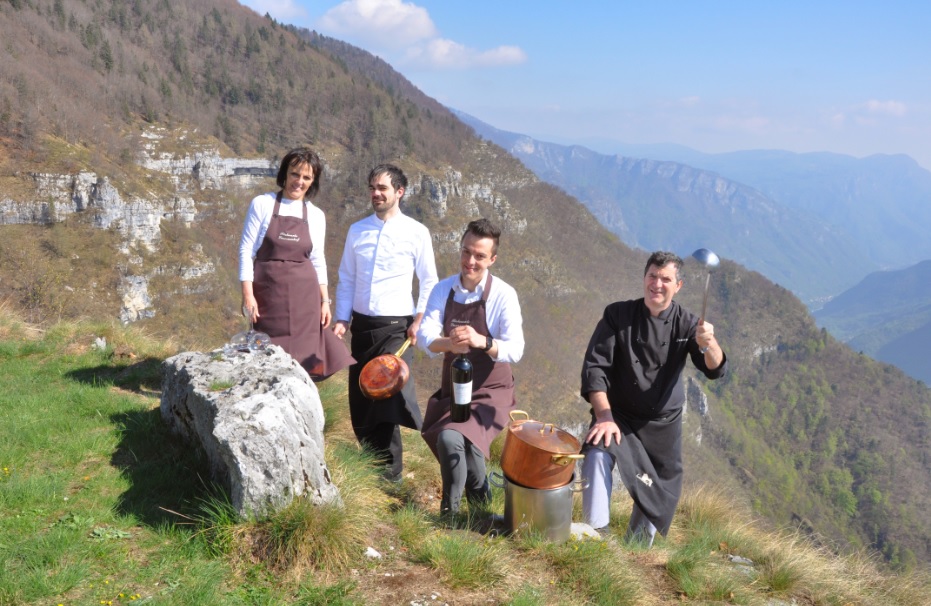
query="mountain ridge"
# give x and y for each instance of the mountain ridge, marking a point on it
(655, 204)
(887, 316)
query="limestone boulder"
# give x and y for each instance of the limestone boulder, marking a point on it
(257, 416)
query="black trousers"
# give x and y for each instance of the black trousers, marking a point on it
(384, 439)
(376, 423)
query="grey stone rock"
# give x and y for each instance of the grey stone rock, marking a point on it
(258, 418)
(740, 560)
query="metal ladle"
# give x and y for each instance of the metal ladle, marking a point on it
(710, 262)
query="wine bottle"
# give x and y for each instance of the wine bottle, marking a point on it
(461, 374)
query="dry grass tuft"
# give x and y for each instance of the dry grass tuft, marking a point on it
(326, 538)
(463, 560)
(785, 563)
(14, 328)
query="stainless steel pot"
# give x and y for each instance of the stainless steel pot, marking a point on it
(544, 510)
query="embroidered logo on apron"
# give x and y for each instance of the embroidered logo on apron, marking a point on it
(289, 237)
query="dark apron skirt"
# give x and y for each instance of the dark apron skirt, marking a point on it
(649, 459)
(371, 337)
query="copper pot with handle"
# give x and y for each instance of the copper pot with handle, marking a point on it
(384, 376)
(537, 454)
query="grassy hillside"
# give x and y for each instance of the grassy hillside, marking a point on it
(100, 505)
(804, 428)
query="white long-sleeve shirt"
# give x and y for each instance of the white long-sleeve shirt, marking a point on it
(377, 270)
(502, 315)
(256, 224)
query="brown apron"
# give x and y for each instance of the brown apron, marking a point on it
(492, 384)
(288, 295)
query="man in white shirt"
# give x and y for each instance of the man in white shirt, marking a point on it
(470, 313)
(381, 256)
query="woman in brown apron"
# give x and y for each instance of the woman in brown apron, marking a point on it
(462, 463)
(285, 297)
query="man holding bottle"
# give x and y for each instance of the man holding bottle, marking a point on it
(471, 315)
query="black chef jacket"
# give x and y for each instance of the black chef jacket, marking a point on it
(638, 359)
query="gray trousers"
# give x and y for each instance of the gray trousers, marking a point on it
(462, 467)
(597, 471)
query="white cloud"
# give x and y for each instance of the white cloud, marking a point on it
(889, 108)
(385, 23)
(287, 11)
(396, 25)
(440, 53)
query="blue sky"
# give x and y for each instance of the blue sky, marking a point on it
(848, 77)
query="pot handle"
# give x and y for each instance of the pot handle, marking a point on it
(579, 485)
(496, 479)
(404, 347)
(564, 459)
(519, 412)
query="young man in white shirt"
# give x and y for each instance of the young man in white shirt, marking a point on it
(473, 314)
(374, 297)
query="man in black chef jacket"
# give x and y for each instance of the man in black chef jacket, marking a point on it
(632, 377)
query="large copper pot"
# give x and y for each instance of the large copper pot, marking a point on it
(537, 454)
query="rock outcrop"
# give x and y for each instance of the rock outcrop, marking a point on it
(258, 418)
(177, 166)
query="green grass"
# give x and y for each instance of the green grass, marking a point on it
(463, 560)
(220, 385)
(595, 570)
(88, 471)
(100, 505)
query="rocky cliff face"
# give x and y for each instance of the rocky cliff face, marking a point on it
(201, 168)
(138, 219)
(59, 196)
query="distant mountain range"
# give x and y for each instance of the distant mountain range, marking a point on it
(887, 316)
(815, 223)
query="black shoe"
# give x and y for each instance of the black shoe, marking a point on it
(481, 497)
(392, 476)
